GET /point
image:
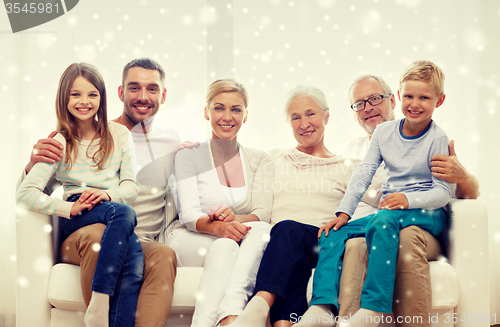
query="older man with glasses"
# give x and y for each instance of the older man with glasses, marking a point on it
(373, 103)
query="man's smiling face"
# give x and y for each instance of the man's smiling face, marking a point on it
(371, 116)
(142, 94)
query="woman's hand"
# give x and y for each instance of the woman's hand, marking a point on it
(222, 213)
(79, 206)
(232, 230)
(93, 196)
(394, 201)
(336, 223)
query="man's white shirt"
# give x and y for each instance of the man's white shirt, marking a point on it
(357, 149)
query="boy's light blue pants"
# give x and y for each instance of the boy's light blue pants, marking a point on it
(382, 240)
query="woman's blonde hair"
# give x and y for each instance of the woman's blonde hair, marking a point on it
(66, 124)
(226, 85)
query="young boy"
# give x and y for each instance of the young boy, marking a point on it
(411, 196)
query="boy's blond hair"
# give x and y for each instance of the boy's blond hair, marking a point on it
(427, 71)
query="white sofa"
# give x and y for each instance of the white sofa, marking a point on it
(50, 295)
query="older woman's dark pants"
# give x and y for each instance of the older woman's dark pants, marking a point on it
(286, 267)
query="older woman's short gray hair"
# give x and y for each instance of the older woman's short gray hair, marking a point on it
(385, 87)
(305, 91)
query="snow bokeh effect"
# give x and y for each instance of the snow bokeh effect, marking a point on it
(276, 44)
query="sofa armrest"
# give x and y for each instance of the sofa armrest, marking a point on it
(34, 260)
(469, 256)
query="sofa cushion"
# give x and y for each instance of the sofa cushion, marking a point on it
(186, 287)
(65, 290)
(444, 285)
(66, 318)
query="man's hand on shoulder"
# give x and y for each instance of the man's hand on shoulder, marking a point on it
(188, 145)
(448, 168)
(45, 150)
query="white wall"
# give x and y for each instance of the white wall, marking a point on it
(269, 46)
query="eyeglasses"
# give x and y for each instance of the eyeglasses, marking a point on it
(373, 100)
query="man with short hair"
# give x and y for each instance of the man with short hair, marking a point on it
(373, 103)
(142, 93)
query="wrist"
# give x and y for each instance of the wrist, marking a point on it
(344, 216)
(28, 167)
(217, 228)
(465, 180)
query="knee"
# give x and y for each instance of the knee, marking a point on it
(131, 216)
(284, 228)
(223, 252)
(356, 248)
(334, 238)
(84, 243)
(282, 235)
(411, 237)
(224, 245)
(127, 216)
(382, 220)
(260, 231)
(259, 226)
(327, 242)
(412, 245)
(158, 256)
(89, 241)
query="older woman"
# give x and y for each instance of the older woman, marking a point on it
(310, 182)
(224, 191)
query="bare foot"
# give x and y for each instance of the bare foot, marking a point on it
(97, 314)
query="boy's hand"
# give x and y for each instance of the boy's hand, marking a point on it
(93, 196)
(336, 223)
(79, 206)
(394, 201)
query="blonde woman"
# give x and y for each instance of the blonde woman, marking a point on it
(224, 191)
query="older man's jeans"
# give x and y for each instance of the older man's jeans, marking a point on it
(120, 266)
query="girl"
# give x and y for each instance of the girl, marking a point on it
(98, 178)
(225, 205)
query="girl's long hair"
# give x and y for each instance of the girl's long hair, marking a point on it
(66, 124)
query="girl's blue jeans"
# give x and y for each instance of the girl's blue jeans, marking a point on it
(382, 241)
(120, 266)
